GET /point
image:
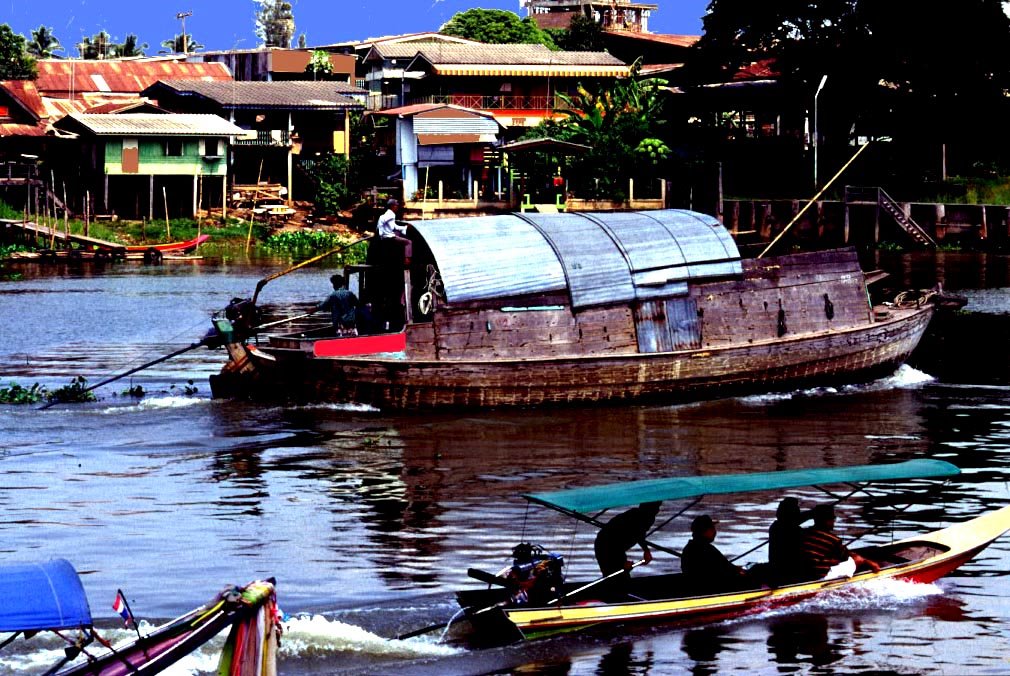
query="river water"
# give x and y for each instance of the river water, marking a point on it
(369, 521)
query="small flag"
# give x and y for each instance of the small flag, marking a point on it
(121, 607)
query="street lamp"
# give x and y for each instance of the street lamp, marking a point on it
(182, 17)
(824, 79)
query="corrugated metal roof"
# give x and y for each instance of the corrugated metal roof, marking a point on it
(74, 77)
(512, 55)
(596, 268)
(153, 124)
(295, 94)
(491, 257)
(600, 258)
(460, 125)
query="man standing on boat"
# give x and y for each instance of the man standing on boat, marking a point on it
(390, 250)
(822, 553)
(619, 535)
(343, 307)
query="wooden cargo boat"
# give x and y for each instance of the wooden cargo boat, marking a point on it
(548, 309)
(496, 616)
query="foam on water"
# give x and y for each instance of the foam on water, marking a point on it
(905, 377)
(318, 636)
(880, 594)
(155, 404)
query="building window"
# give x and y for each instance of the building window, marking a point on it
(4, 112)
(174, 147)
(212, 146)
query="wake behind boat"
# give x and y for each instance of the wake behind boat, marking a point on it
(501, 614)
(553, 309)
(49, 597)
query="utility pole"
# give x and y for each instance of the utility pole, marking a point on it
(182, 17)
(817, 130)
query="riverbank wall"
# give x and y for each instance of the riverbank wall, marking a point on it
(865, 223)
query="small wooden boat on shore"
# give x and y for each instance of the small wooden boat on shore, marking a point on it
(498, 617)
(49, 597)
(554, 309)
(169, 247)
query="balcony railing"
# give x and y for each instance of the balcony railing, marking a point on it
(265, 137)
(496, 102)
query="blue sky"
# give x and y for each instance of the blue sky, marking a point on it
(227, 24)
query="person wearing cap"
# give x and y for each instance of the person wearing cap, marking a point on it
(705, 568)
(619, 535)
(390, 249)
(822, 554)
(387, 227)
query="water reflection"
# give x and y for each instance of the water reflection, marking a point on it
(803, 639)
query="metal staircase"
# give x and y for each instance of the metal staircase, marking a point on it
(888, 204)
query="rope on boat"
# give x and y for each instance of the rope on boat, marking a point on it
(914, 298)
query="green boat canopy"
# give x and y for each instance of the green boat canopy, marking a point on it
(599, 498)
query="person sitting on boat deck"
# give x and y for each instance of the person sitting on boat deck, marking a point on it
(784, 537)
(705, 568)
(822, 554)
(343, 306)
(619, 535)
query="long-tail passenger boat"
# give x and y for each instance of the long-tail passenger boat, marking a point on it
(49, 597)
(551, 309)
(500, 614)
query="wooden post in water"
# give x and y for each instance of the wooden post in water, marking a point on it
(87, 213)
(168, 227)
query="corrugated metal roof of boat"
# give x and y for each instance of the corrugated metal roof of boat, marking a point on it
(601, 258)
(485, 257)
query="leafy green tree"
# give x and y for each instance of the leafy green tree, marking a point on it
(275, 23)
(15, 62)
(43, 43)
(582, 35)
(320, 66)
(496, 26)
(176, 46)
(129, 47)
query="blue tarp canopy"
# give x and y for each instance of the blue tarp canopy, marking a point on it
(42, 596)
(599, 498)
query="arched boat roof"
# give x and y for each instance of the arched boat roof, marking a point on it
(599, 258)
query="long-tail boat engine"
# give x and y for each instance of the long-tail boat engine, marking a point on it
(536, 575)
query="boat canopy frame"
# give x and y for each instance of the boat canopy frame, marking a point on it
(589, 503)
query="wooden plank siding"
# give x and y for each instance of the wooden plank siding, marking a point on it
(491, 333)
(748, 310)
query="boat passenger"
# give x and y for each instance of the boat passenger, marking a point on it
(391, 232)
(706, 569)
(343, 306)
(784, 537)
(822, 554)
(619, 535)
(388, 251)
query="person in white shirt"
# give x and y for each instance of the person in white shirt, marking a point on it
(389, 228)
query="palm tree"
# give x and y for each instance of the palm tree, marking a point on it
(176, 46)
(130, 47)
(97, 46)
(43, 43)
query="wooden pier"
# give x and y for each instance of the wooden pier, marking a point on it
(27, 231)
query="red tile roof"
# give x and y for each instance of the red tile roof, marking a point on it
(24, 94)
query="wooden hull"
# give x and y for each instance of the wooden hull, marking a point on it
(400, 382)
(167, 247)
(922, 559)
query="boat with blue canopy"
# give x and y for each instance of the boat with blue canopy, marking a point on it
(504, 611)
(49, 597)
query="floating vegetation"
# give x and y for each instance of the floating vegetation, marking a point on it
(74, 393)
(135, 391)
(18, 394)
(189, 389)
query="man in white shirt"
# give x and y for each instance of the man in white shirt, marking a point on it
(388, 228)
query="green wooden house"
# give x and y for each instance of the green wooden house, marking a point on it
(149, 164)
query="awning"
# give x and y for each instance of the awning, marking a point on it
(534, 144)
(599, 498)
(491, 70)
(42, 596)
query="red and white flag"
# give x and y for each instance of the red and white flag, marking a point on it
(121, 607)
